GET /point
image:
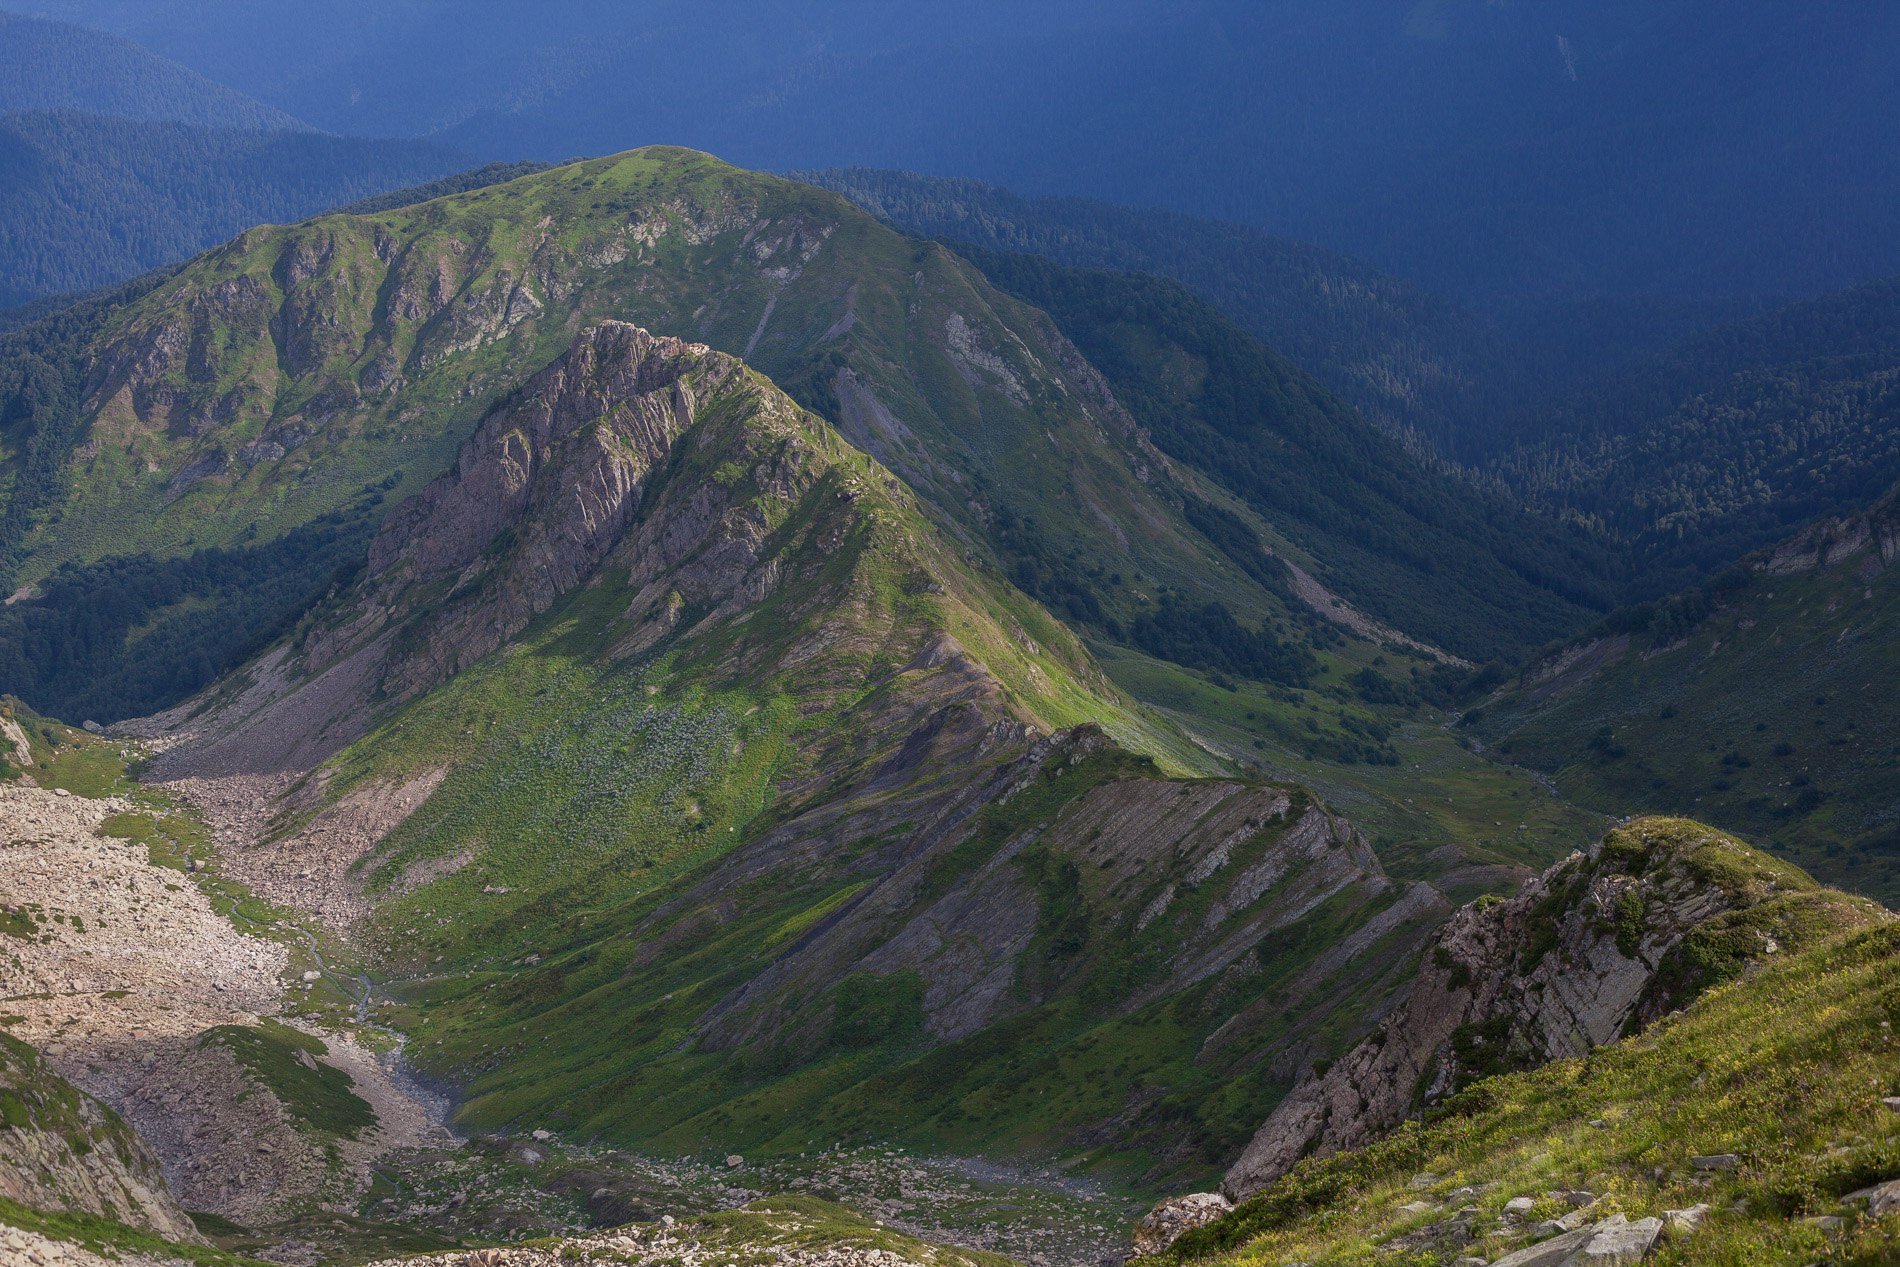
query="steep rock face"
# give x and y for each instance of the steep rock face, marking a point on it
(558, 488)
(1590, 950)
(60, 1149)
(1875, 531)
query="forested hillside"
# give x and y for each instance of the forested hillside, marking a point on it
(1730, 441)
(57, 66)
(1761, 700)
(1562, 150)
(1409, 360)
(86, 200)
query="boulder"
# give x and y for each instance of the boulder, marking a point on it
(1611, 1242)
(1881, 1199)
(1175, 1217)
(1618, 1243)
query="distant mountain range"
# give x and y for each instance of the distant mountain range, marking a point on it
(86, 201)
(114, 161)
(1547, 152)
(56, 66)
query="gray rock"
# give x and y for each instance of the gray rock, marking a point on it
(1417, 1207)
(1498, 964)
(1618, 1243)
(1174, 1218)
(1716, 1161)
(1880, 1199)
(1611, 1242)
(1518, 1207)
(1892, 1102)
(1683, 1222)
(1551, 1253)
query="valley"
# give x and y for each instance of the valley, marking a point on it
(633, 710)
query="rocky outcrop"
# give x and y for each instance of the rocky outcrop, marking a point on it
(555, 480)
(1874, 532)
(60, 1149)
(1590, 950)
(1168, 1222)
(1208, 868)
(559, 470)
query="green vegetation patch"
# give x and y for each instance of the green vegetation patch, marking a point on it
(318, 1096)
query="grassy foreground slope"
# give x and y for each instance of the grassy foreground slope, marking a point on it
(1780, 1073)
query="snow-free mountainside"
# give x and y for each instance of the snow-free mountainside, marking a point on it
(638, 713)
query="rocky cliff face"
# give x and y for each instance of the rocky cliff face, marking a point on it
(1592, 949)
(674, 470)
(1874, 532)
(60, 1149)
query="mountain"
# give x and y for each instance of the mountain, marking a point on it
(1703, 1137)
(255, 413)
(89, 200)
(666, 746)
(48, 67)
(1758, 701)
(1559, 151)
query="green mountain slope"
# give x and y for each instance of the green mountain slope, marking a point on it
(1761, 702)
(691, 787)
(58, 66)
(1756, 1111)
(87, 200)
(1397, 536)
(330, 368)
